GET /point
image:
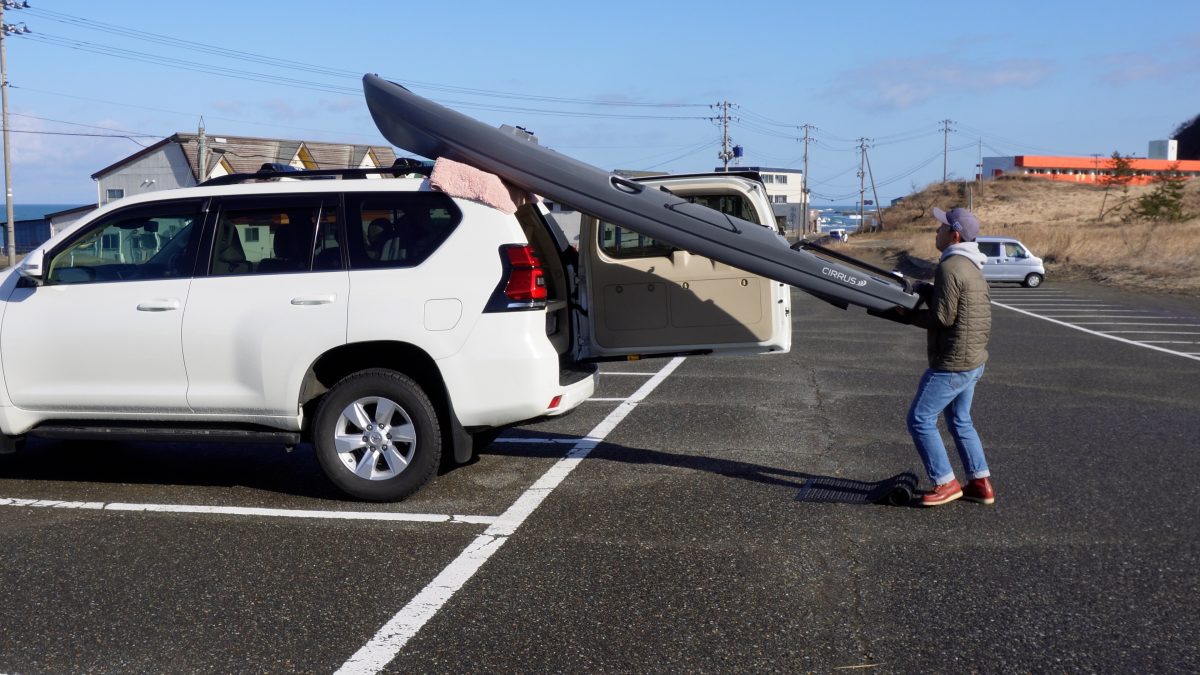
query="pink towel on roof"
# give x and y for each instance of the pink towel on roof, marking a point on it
(461, 180)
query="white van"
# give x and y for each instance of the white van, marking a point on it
(1009, 260)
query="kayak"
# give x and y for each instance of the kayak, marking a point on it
(425, 128)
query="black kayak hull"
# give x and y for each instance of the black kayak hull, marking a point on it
(423, 127)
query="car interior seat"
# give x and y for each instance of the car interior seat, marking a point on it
(379, 237)
(288, 248)
(230, 257)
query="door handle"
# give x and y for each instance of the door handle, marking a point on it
(307, 300)
(158, 306)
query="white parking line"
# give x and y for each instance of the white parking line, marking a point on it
(251, 511)
(1186, 355)
(536, 440)
(394, 634)
(1151, 332)
(637, 374)
(1133, 323)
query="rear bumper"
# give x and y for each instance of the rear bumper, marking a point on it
(507, 371)
(574, 393)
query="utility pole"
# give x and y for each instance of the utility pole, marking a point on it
(874, 192)
(804, 198)
(979, 164)
(726, 154)
(201, 160)
(5, 31)
(862, 185)
(945, 145)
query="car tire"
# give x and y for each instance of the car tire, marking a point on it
(376, 436)
(1032, 280)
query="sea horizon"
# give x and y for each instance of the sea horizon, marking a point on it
(33, 211)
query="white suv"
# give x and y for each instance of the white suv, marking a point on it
(387, 323)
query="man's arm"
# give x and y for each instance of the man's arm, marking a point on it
(947, 295)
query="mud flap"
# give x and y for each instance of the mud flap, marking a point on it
(8, 444)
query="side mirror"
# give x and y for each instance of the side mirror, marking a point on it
(31, 266)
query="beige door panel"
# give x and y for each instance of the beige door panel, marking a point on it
(681, 299)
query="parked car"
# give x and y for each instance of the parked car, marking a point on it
(1010, 260)
(389, 324)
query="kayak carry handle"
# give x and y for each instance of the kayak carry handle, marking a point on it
(625, 185)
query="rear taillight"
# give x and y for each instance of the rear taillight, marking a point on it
(526, 278)
(523, 281)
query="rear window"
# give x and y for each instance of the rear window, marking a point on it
(397, 230)
(622, 243)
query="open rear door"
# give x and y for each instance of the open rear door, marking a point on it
(647, 297)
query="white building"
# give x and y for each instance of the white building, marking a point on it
(784, 186)
(785, 189)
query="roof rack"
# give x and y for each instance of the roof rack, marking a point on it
(751, 175)
(273, 171)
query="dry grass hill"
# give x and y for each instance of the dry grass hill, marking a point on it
(1062, 223)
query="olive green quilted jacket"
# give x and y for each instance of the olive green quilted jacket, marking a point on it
(959, 313)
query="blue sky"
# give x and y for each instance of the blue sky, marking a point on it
(1015, 77)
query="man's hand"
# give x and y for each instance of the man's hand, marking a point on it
(897, 314)
(925, 291)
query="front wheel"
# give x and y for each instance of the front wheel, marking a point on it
(376, 436)
(1033, 280)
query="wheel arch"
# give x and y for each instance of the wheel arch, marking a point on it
(401, 357)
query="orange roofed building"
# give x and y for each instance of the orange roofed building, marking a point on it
(1085, 169)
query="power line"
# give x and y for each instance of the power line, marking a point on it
(290, 64)
(76, 133)
(190, 114)
(79, 124)
(703, 146)
(252, 76)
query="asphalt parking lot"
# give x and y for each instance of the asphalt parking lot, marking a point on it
(658, 527)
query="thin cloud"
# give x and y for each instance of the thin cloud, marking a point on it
(344, 104)
(281, 110)
(1131, 68)
(896, 84)
(229, 107)
(56, 169)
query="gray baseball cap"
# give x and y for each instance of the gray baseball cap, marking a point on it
(961, 220)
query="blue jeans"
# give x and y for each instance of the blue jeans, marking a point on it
(949, 392)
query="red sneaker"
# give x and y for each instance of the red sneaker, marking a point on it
(979, 490)
(942, 494)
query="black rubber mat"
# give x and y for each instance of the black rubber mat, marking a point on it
(896, 491)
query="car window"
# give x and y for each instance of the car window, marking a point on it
(990, 248)
(621, 243)
(265, 238)
(1013, 250)
(140, 243)
(327, 253)
(399, 229)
